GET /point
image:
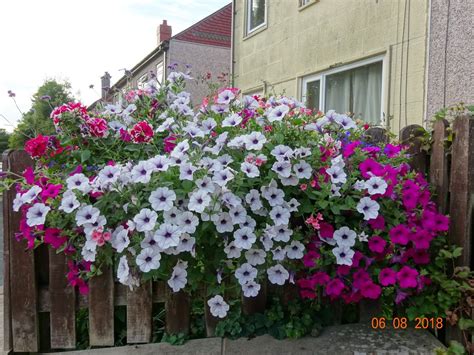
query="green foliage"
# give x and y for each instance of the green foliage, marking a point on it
(4, 137)
(36, 120)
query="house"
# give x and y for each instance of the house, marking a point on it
(365, 57)
(204, 47)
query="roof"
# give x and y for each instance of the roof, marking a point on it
(215, 29)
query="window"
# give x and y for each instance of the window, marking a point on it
(256, 14)
(355, 88)
(142, 81)
(304, 2)
(159, 73)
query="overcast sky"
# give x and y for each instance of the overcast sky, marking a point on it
(79, 40)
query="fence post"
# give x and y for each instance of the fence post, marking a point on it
(413, 136)
(376, 135)
(178, 312)
(439, 166)
(63, 304)
(462, 187)
(101, 309)
(21, 304)
(257, 304)
(139, 314)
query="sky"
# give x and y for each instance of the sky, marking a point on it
(78, 41)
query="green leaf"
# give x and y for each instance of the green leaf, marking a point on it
(465, 323)
(85, 155)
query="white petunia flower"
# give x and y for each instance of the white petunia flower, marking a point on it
(223, 223)
(198, 201)
(344, 236)
(225, 97)
(337, 175)
(294, 250)
(253, 200)
(186, 243)
(277, 113)
(359, 185)
(208, 125)
(148, 259)
(188, 222)
(232, 251)
(78, 182)
(363, 237)
(368, 207)
(205, 184)
(343, 255)
(338, 162)
(145, 220)
(245, 273)
(89, 251)
(186, 171)
(159, 163)
(222, 177)
(280, 215)
(150, 242)
(277, 275)
(303, 170)
(167, 235)
(282, 168)
(335, 190)
(251, 289)
(162, 199)
(109, 175)
(244, 238)
(293, 205)
(238, 214)
(266, 241)
(255, 141)
(249, 169)
(69, 202)
(36, 214)
(166, 125)
(123, 270)
(178, 279)
(180, 149)
(120, 239)
(281, 233)
(142, 172)
(273, 195)
(279, 254)
(193, 130)
(292, 180)
(232, 120)
(249, 222)
(87, 214)
(31, 194)
(302, 152)
(237, 142)
(255, 256)
(345, 121)
(171, 216)
(376, 185)
(218, 307)
(282, 152)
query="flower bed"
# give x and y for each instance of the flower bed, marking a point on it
(240, 191)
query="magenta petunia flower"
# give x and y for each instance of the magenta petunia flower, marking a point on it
(371, 290)
(377, 223)
(370, 167)
(391, 150)
(387, 276)
(310, 257)
(52, 236)
(334, 288)
(421, 239)
(326, 230)
(434, 222)
(349, 149)
(320, 278)
(51, 191)
(400, 234)
(29, 175)
(420, 257)
(407, 277)
(377, 244)
(400, 296)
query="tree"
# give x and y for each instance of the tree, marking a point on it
(4, 136)
(36, 120)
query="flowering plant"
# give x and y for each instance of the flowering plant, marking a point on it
(245, 189)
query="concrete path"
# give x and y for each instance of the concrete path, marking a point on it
(351, 339)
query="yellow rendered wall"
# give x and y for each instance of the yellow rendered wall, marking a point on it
(329, 33)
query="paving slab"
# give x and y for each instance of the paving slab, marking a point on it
(342, 339)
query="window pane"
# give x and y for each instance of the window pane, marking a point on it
(159, 73)
(312, 94)
(358, 91)
(256, 13)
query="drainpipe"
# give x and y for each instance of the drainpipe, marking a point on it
(232, 41)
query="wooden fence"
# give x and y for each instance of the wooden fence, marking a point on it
(40, 308)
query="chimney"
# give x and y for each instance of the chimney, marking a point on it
(163, 32)
(105, 84)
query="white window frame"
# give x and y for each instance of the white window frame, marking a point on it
(303, 3)
(142, 80)
(322, 77)
(160, 80)
(249, 14)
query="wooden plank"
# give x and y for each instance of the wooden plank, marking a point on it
(139, 314)
(159, 292)
(462, 187)
(210, 320)
(101, 309)
(7, 203)
(63, 304)
(23, 301)
(439, 166)
(178, 312)
(369, 309)
(412, 136)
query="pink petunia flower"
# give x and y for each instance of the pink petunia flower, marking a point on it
(371, 290)
(370, 167)
(377, 244)
(334, 288)
(387, 277)
(407, 277)
(400, 234)
(421, 239)
(53, 237)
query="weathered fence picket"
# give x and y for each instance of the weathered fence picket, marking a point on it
(42, 287)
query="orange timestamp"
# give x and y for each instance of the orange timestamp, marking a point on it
(403, 323)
